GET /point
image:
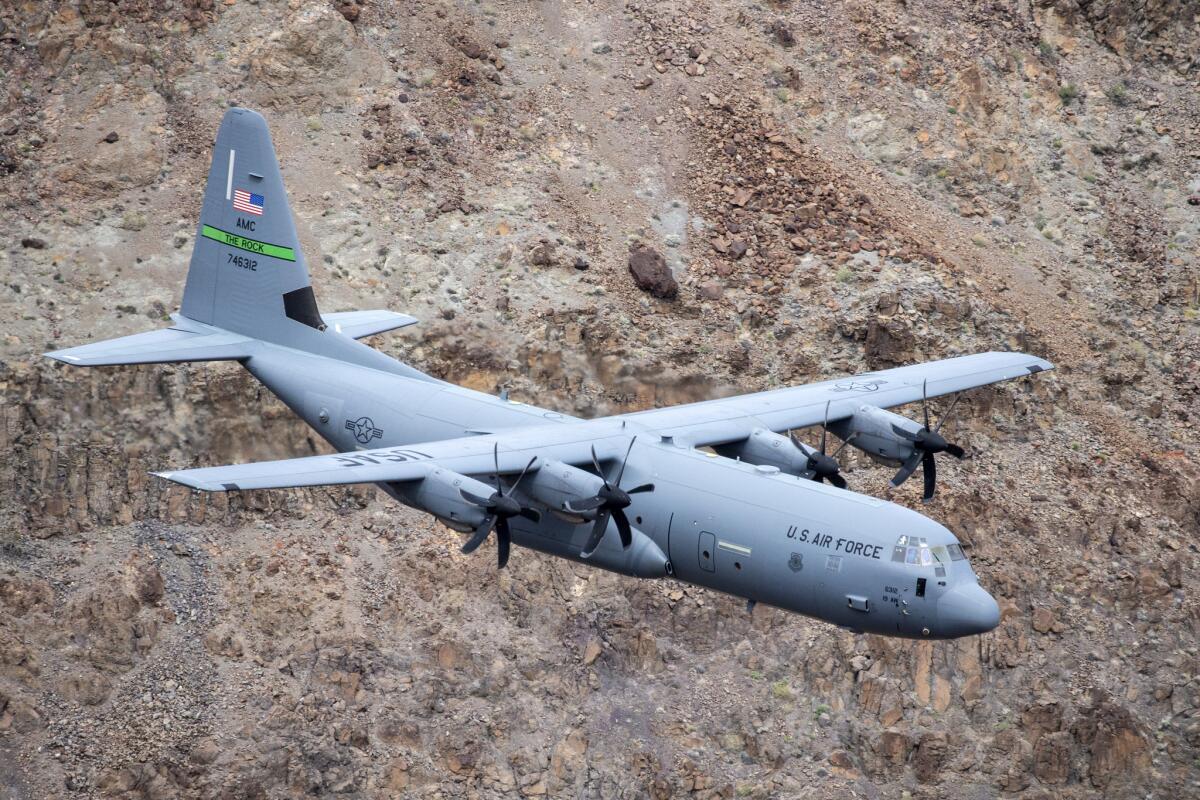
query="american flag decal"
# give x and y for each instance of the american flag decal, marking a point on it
(247, 202)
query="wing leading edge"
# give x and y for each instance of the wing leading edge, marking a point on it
(733, 418)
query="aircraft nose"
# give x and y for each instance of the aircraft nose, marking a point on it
(967, 609)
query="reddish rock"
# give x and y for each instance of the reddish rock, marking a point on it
(890, 343)
(651, 273)
(1043, 619)
(1116, 741)
(894, 746)
(1052, 758)
(932, 751)
(543, 254)
(782, 33)
(1044, 717)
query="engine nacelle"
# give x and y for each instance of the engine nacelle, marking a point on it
(766, 447)
(555, 484)
(643, 559)
(873, 430)
(439, 494)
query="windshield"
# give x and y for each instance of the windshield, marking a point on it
(915, 551)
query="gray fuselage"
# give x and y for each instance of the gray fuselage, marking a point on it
(749, 531)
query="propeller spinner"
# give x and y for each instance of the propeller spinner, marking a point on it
(926, 443)
(822, 467)
(498, 508)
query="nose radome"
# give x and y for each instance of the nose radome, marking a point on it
(967, 609)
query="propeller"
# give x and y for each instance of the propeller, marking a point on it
(610, 501)
(822, 467)
(498, 508)
(926, 443)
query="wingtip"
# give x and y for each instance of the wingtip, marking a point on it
(1039, 365)
(178, 477)
(60, 355)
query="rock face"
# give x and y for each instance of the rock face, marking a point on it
(828, 189)
(651, 273)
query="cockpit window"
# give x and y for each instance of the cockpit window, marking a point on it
(915, 550)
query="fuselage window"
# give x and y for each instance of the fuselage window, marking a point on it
(956, 553)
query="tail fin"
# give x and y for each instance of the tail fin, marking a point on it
(248, 281)
(248, 274)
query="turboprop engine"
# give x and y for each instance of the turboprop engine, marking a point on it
(898, 441)
(440, 494)
(465, 504)
(561, 486)
(555, 484)
(787, 453)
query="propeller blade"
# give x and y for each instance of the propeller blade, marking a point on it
(522, 475)
(474, 499)
(925, 403)
(845, 442)
(948, 414)
(586, 504)
(596, 464)
(955, 451)
(496, 458)
(645, 487)
(838, 481)
(929, 469)
(624, 461)
(531, 514)
(503, 542)
(825, 427)
(598, 529)
(907, 468)
(623, 528)
(481, 533)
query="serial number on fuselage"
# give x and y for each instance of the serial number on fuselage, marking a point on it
(838, 545)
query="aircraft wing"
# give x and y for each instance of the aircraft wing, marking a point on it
(733, 418)
(696, 424)
(469, 455)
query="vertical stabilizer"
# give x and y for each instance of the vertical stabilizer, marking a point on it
(247, 273)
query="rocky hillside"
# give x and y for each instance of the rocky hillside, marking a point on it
(603, 207)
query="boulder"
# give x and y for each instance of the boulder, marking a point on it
(651, 273)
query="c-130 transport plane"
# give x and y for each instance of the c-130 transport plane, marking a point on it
(712, 493)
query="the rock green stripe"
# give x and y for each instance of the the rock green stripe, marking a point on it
(250, 245)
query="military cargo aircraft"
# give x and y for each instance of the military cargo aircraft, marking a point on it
(718, 493)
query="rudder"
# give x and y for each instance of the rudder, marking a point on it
(247, 272)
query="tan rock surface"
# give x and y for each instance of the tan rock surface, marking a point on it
(832, 188)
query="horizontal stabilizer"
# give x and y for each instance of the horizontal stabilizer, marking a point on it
(361, 324)
(187, 340)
